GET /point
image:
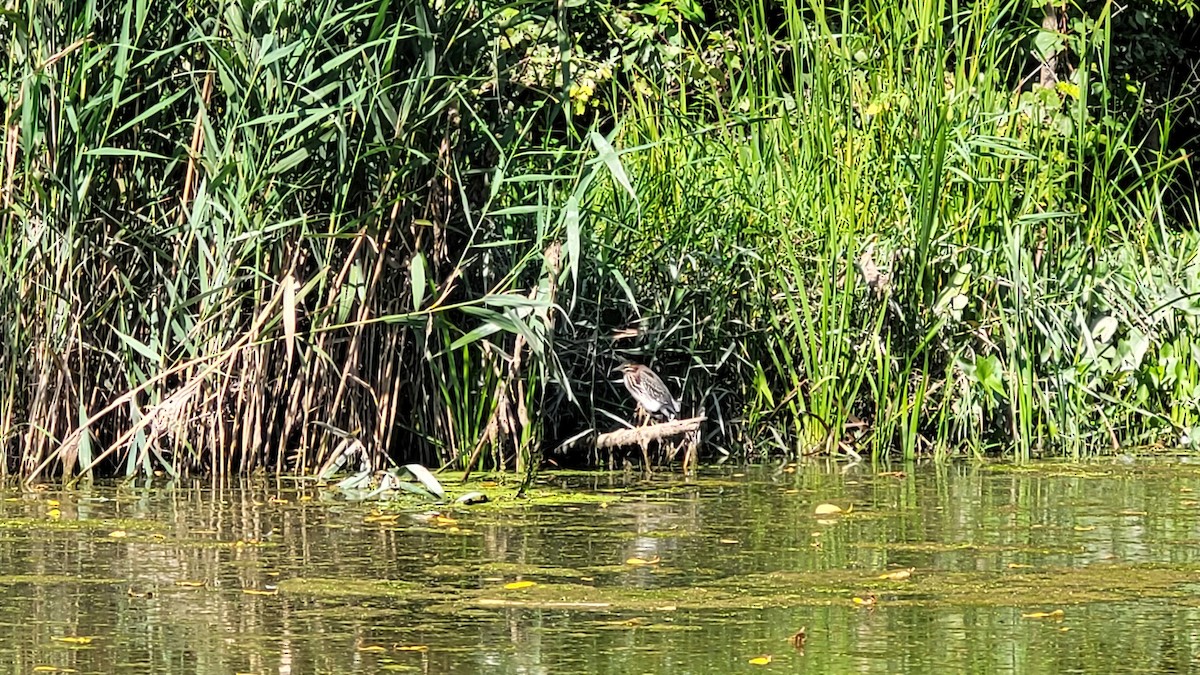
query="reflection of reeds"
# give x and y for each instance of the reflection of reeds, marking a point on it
(237, 242)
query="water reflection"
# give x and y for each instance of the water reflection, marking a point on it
(282, 578)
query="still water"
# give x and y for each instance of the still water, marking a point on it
(1053, 568)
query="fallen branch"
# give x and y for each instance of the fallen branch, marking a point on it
(653, 432)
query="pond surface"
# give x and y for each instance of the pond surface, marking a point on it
(956, 568)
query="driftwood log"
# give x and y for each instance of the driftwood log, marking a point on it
(651, 432)
(673, 435)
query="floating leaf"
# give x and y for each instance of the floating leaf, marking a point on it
(74, 639)
(190, 583)
(799, 637)
(118, 534)
(518, 585)
(255, 591)
(412, 648)
(827, 509)
(637, 562)
(898, 575)
(760, 660)
(382, 518)
(1056, 614)
(370, 648)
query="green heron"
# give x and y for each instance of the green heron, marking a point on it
(649, 390)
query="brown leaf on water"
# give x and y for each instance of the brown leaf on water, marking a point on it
(1056, 614)
(898, 575)
(638, 562)
(799, 638)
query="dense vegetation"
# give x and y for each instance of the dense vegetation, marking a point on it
(253, 234)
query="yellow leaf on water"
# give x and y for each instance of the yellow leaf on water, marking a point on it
(444, 521)
(898, 575)
(52, 502)
(382, 518)
(518, 585)
(190, 583)
(54, 514)
(118, 534)
(1082, 528)
(1056, 614)
(760, 660)
(255, 591)
(371, 648)
(636, 562)
(412, 648)
(828, 509)
(1018, 566)
(74, 640)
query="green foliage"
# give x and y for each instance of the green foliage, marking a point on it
(237, 235)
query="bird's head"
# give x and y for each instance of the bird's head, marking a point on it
(625, 367)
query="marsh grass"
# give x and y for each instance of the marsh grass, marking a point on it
(902, 238)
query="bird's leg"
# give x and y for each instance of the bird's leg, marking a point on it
(643, 417)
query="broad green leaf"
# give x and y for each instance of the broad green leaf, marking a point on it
(417, 271)
(138, 346)
(427, 479)
(613, 161)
